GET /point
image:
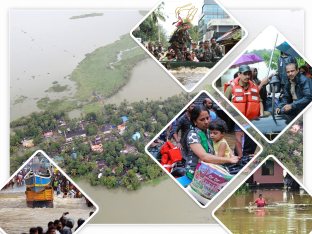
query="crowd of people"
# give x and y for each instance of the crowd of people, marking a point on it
(199, 134)
(207, 51)
(63, 225)
(292, 89)
(63, 187)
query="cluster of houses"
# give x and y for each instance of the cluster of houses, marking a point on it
(107, 132)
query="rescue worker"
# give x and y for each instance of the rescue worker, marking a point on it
(244, 94)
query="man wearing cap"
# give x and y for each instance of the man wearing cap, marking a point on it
(297, 92)
(244, 94)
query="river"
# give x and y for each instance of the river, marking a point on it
(36, 50)
(287, 212)
(147, 81)
(17, 218)
(46, 46)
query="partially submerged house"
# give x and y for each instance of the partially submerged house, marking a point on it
(270, 174)
(72, 134)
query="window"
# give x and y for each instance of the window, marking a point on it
(268, 168)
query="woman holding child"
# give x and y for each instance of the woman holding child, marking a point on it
(199, 145)
(201, 157)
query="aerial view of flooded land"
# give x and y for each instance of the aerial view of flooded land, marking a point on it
(62, 88)
(86, 95)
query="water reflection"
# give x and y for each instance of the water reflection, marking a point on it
(287, 212)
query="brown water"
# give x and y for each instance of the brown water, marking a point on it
(189, 77)
(16, 217)
(287, 212)
(163, 203)
(147, 81)
(46, 46)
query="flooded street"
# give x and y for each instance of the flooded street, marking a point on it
(287, 212)
(17, 218)
(189, 77)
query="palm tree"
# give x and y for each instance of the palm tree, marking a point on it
(158, 15)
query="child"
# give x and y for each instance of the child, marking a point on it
(217, 129)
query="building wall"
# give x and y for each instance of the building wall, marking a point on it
(210, 10)
(276, 178)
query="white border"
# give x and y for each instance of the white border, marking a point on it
(240, 113)
(247, 177)
(229, 115)
(243, 5)
(66, 176)
(245, 32)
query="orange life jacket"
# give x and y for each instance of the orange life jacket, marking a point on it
(246, 101)
(227, 84)
(170, 154)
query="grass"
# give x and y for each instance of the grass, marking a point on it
(95, 75)
(56, 105)
(57, 88)
(92, 107)
(157, 181)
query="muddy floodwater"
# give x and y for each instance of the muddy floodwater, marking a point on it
(287, 212)
(189, 77)
(16, 217)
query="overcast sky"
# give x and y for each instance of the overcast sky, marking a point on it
(169, 10)
(266, 40)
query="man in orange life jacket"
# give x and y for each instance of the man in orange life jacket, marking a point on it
(244, 94)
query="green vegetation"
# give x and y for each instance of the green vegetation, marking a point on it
(57, 105)
(288, 149)
(57, 88)
(194, 33)
(266, 55)
(86, 15)
(128, 169)
(20, 99)
(244, 189)
(150, 30)
(96, 76)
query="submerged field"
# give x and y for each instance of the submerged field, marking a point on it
(104, 71)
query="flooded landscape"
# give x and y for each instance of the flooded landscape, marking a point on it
(287, 212)
(42, 55)
(189, 77)
(148, 205)
(17, 218)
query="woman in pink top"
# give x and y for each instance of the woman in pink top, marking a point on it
(260, 201)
